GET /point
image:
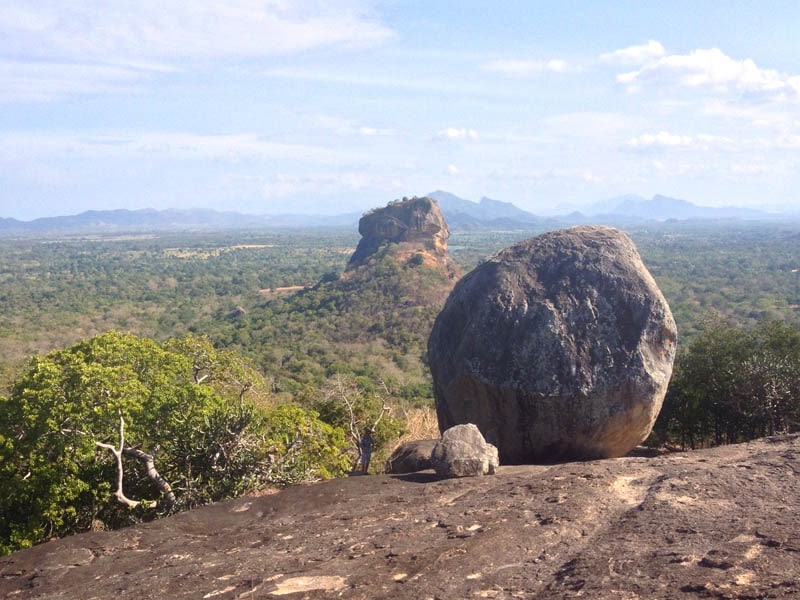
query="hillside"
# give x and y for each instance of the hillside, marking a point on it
(486, 214)
(706, 524)
(372, 319)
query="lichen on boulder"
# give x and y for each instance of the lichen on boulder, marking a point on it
(559, 347)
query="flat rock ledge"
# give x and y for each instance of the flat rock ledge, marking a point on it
(716, 523)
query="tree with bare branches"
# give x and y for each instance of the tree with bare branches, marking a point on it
(118, 429)
(360, 406)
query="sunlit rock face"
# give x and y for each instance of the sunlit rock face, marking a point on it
(415, 227)
(559, 347)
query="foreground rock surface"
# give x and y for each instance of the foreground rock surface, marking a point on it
(559, 347)
(708, 524)
(462, 452)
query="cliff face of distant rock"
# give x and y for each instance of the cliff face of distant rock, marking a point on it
(411, 229)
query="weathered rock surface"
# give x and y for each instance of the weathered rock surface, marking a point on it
(462, 452)
(415, 226)
(411, 457)
(559, 347)
(715, 523)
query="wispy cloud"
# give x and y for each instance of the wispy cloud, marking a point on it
(704, 142)
(525, 68)
(32, 81)
(54, 48)
(340, 126)
(635, 55)
(282, 185)
(715, 71)
(456, 133)
(161, 145)
(662, 139)
(174, 29)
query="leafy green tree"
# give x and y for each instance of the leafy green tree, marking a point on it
(303, 447)
(731, 385)
(118, 429)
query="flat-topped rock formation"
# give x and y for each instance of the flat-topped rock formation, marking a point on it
(412, 229)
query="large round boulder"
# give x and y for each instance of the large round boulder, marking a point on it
(559, 347)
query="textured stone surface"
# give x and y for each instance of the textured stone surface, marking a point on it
(559, 347)
(462, 452)
(411, 457)
(416, 225)
(711, 524)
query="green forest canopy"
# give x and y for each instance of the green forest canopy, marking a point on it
(319, 360)
(118, 429)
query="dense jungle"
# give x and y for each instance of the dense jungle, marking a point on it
(278, 360)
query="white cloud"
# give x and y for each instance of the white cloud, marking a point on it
(456, 133)
(339, 126)
(662, 139)
(113, 29)
(525, 68)
(635, 55)
(453, 170)
(601, 128)
(383, 78)
(161, 145)
(39, 81)
(714, 70)
(283, 185)
(55, 48)
(375, 132)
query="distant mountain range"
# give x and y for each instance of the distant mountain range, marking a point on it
(109, 221)
(622, 209)
(662, 208)
(465, 214)
(459, 213)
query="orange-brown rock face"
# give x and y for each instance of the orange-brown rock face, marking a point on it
(415, 225)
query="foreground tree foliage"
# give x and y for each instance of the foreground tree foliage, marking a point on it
(731, 385)
(119, 429)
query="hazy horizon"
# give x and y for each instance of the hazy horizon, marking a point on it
(307, 107)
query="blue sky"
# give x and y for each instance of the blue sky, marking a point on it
(292, 106)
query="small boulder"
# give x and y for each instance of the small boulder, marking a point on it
(462, 452)
(558, 348)
(411, 457)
